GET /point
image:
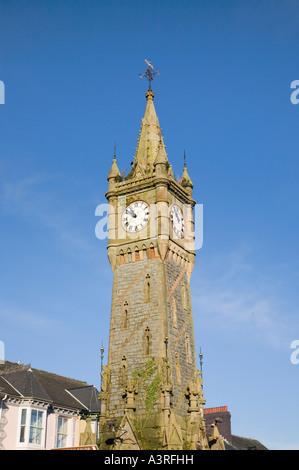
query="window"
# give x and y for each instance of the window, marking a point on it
(147, 345)
(61, 440)
(23, 425)
(126, 318)
(31, 427)
(36, 427)
(123, 371)
(147, 342)
(147, 288)
(125, 315)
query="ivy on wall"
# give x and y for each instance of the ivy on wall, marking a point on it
(152, 393)
(141, 376)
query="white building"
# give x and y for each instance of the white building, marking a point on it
(42, 410)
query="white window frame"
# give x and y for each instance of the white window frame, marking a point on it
(28, 426)
(67, 434)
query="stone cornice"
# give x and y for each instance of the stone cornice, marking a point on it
(133, 185)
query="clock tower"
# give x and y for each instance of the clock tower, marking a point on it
(151, 395)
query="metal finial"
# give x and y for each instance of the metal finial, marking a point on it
(200, 359)
(184, 159)
(114, 151)
(166, 343)
(102, 357)
(149, 73)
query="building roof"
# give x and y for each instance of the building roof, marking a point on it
(222, 417)
(246, 443)
(22, 381)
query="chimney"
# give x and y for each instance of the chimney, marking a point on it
(222, 416)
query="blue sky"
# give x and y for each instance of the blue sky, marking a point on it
(72, 88)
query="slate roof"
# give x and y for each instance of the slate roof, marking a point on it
(23, 381)
(246, 443)
(88, 396)
(6, 389)
(231, 442)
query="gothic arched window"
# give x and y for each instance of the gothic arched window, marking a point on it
(125, 315)
(123, 371)
(147, 342)
(147, 288)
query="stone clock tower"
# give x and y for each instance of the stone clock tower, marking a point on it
(151, 395)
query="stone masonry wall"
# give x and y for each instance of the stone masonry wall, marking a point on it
(138, 328)
(128, 343)
(181, 331)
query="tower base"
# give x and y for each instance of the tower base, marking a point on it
(164, 430)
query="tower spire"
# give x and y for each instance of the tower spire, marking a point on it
(150, 147)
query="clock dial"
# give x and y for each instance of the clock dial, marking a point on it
(177, 220)
(136, 216)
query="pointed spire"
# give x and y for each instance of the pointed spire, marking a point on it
(161, 154)
(150, 149)
(114, 171)
(186, 180)
(161, 163)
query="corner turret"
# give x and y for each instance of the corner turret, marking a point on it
(114, 175)
(186, 180)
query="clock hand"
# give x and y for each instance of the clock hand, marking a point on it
(132, 213)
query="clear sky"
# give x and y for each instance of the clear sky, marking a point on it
(72, 88)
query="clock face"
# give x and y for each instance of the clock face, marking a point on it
(177, 220)
(136, 216)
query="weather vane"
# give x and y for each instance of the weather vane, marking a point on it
(149, 73)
